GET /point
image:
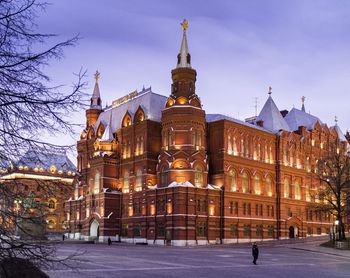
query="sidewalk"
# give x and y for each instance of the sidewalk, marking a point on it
(315, 247)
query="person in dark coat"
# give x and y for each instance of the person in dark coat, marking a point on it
(63, 237)
(109, 241)
(255, 252)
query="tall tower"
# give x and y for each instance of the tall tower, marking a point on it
(183, 155)
(95, 104)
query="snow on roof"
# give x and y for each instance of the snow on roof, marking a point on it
(341, 135)
(271, 117)
(213, 187)
(218, 117)
(36, 159)
(183, 184)
(151, 103)
(296, 118)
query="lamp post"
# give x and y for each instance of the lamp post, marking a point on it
(336, 223)
(17, 203)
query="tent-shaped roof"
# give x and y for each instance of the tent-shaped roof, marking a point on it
(296, 118)
(271, 117)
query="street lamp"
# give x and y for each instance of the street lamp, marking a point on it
(336, 223)
(17, 203)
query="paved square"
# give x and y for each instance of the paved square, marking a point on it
(211, 261)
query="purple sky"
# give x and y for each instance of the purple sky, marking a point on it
(238, 48)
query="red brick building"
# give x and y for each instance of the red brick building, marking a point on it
(160, 170)
(44, 179)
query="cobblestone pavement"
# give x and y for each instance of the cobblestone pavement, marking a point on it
(275, 260)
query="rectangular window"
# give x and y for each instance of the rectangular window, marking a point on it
(256, 209)
(160, 229)
(261, 210)
(125, 228)
(319, 231)
(249, 209)
(236, 208)
(272, 211)
(137, 230)
(259, 230)
(309, 231)
(230, 207)
(271, 231)
(234, 230)
(201, 229)
(247, 230)
(244, 208)
(268, 210)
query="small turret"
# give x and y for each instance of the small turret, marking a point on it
(95, 104)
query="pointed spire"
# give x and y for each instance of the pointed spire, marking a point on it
(303, 101)
(336, 120)
(96, 98)
(108, 134)
(184, 57)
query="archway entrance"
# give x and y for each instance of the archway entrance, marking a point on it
(94, 229)
(291, 232)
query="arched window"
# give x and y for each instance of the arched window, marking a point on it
(245, 183)
(242, 147)
(229, 146)
(138, 186)
(126, 182)
(247, 148)
(286, 188)
(270, 154)
(97, 183)
(199, 138)
(198, 176)
(234, 145)
(259, 151)
(268, 187)
(232, 178)
(139, 116)
(52, 204)
(307, 193)
(126, 120)
(257, 185)
(285, 160)
(291, 158)
(297, 188)
(308, 167)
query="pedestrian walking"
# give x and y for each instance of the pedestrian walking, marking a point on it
(109, 241)
(63, 237)
(255, 252)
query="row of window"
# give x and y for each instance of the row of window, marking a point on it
(247, 230)
(243, 148)
(245, 182)
(139, 147)
(233, 208)
(126, 182)
(169, 138)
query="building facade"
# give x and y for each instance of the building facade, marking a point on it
(160, 170)
(36, 187)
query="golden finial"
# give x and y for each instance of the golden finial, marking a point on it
(97, 75)
(184, 24)
(303, 99)
(270, 90)
(335, 119)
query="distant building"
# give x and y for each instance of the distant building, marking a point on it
(160, 170)
(41, 181)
